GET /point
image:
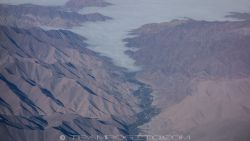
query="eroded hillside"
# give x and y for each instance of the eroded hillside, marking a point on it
(200, 74)
(51, 83)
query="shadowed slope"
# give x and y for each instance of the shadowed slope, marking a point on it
(51, 75)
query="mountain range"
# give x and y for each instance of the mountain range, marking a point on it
(194, 79)
(199, 72)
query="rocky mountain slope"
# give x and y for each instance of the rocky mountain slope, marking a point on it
(51, 84)
(200, 74)
(52, 87)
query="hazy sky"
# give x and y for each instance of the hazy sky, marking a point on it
(39, 2)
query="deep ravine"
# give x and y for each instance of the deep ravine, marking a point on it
(148, 110)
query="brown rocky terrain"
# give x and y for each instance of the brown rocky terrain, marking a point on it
(51, 84)
(200, 75)
(28, 15)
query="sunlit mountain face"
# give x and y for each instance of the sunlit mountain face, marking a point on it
(124, 70)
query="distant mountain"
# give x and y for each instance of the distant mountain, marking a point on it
(51, 84)
(79, 4)
(28, 15)
(200, 75)
(239, 16)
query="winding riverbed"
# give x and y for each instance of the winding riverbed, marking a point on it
(107, 37)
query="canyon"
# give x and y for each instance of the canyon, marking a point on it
(82, 69)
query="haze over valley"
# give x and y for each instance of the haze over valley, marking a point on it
(86, 69)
